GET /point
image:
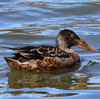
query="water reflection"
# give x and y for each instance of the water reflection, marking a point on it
(22, 79)
(60, 95)
(24, 82)
(60, 79)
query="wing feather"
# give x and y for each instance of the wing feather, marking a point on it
(39, 52)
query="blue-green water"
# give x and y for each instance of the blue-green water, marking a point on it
(36, 22)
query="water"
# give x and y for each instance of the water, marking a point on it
(36, 22)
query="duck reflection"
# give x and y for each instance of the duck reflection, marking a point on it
(60, 79)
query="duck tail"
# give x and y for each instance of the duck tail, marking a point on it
(14, 64)
(10, 48)
(8, 59)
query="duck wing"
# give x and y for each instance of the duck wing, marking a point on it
(39, 52)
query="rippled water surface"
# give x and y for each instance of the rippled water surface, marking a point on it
(36, 22)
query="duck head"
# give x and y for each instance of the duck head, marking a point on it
(67, 38)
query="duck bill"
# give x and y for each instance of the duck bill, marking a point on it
(83, 45)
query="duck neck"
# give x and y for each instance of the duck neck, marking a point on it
(67, 50)
(62, 44)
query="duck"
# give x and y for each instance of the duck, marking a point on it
(44, 57)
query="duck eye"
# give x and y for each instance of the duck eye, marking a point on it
(72, 35)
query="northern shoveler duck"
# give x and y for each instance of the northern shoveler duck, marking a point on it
(39, 58)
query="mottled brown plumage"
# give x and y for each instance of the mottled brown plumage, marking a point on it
(48, 63)
(41, 58)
